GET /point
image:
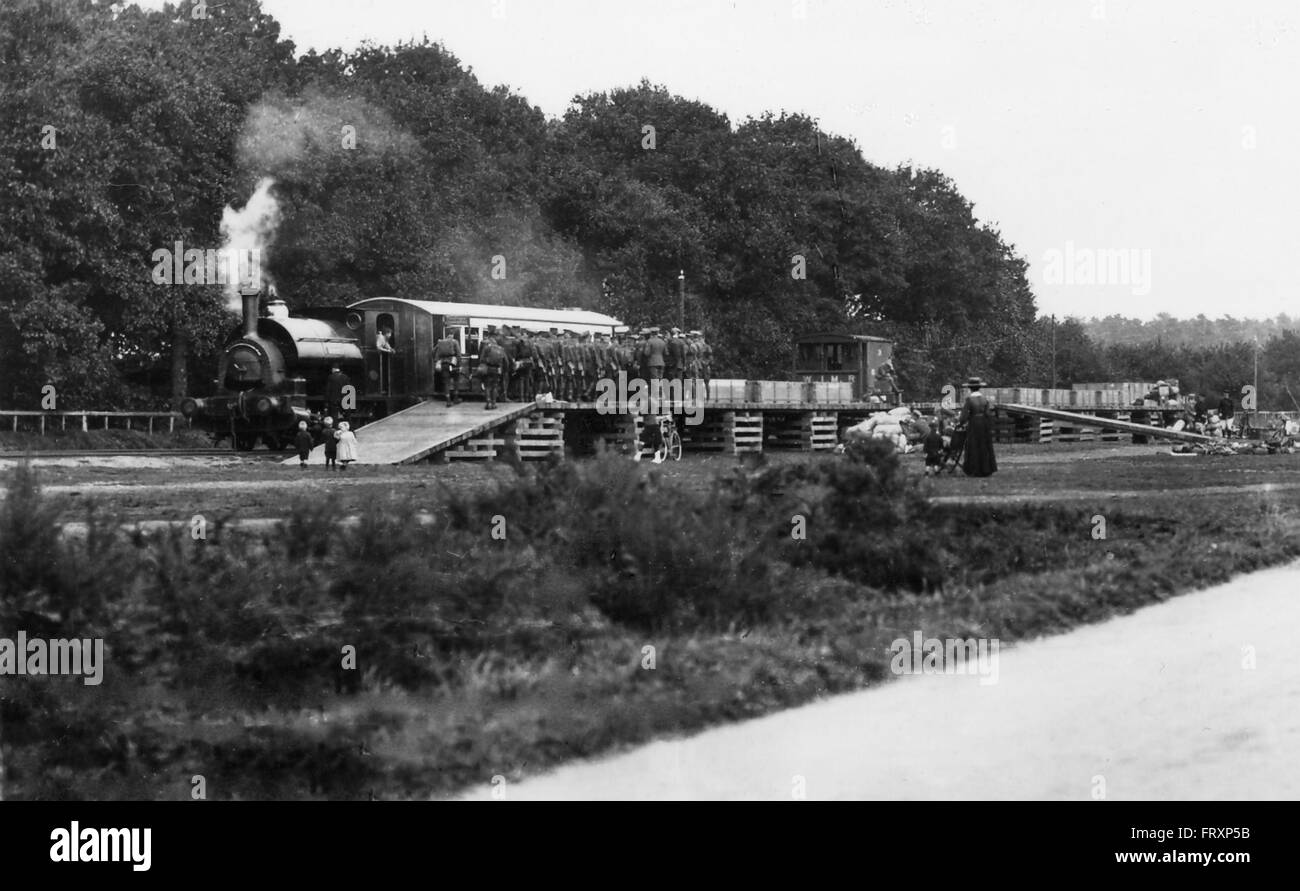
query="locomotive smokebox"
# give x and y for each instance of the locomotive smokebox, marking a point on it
(250, 298)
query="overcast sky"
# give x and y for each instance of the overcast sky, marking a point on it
(1167, 130)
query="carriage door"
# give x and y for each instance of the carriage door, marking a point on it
(390, 377)
(458, 327)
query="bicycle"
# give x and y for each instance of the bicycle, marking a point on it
(670, 442)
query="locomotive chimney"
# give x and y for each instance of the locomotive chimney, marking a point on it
(249, 296)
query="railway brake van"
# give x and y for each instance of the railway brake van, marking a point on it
(838, 358)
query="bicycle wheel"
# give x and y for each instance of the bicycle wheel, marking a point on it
(674, 444)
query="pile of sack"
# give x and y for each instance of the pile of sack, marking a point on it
(901, 426)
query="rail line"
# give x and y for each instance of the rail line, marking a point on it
(143, 453)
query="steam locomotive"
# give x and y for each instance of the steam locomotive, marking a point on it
(273, 371)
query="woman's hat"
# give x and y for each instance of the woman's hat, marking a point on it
(974, 382)
(344, 425)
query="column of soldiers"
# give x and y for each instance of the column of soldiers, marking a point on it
(569, 365)
(684, 357)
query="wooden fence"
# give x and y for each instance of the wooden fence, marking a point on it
(87, 420)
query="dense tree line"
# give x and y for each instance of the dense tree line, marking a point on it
(1208, 367)
(1197, 332)
(397, 172)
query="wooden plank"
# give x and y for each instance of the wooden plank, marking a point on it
(415, 433)
(1079, 420)
(745, 432)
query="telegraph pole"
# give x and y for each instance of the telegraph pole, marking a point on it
(681, 299)
(1053, 351)
(1254, 418)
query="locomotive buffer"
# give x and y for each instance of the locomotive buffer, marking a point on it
(415, 433)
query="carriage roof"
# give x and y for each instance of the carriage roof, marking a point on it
(495, 311)
(838, 337)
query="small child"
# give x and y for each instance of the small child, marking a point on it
(347, 445)
(304, 443)
(933, 446)
(330, 437)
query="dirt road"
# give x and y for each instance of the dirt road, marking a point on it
(1162, 704)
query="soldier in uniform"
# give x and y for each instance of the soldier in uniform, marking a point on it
(653, 353)
(621, 354)
(562, 354)
(705, 353)
(492, 361)
(591, 366)
(525, 359)
(692, 363)
(676, 357)
(608, 356)
(508, 343)
(579, 365)
(542, 369)
(446, 366)
(572, 354)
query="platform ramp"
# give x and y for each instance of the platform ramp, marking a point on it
(1106, 423)
(425, 429)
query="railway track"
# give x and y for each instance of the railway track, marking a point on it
(144, 453)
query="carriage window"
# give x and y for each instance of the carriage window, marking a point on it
(835, 356)
(384, 322)
(810, 356)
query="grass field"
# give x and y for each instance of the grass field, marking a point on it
(242, 486)
(482, 655)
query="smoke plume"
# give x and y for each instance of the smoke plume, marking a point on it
(246, 236)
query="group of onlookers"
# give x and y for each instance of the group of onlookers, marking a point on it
(340, 443)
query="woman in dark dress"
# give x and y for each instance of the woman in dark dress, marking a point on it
(977, 416)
